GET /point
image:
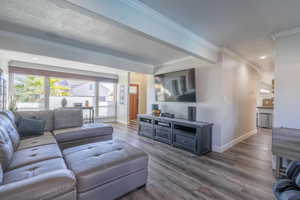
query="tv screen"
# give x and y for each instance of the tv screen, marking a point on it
(176, 86)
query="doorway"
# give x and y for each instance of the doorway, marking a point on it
(133, 101)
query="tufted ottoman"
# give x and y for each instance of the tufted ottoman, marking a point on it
(107, 170)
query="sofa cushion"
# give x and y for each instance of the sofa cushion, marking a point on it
(34, 169)
(293, 194)
(31, 127)
(34, 154)
(6, 148)
(67, 118)
(103, 162)
(54, 183)
(47, 138)
(85, 131)
(11, 130)
(42, 115)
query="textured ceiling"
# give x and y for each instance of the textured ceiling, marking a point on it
(244, 26)
(62, 22)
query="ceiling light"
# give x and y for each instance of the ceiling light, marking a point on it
(35, 58)
(263, 57)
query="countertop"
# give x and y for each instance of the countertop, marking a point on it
(265, 107)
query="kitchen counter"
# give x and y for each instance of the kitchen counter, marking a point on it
(265, 116)
(264, 107)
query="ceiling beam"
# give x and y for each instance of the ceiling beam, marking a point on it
(142, 19)
(20, 43)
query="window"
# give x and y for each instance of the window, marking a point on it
(49, 90)
(29, 92)
(77, 93)
(3, 90)
(107, 101)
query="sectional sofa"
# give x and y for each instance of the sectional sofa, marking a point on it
(68, 161)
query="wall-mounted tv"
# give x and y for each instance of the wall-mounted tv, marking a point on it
(176, 86)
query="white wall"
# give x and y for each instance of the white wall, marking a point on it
(226, 96)
(240, 85)
(122, 109)
(209, 94)
(287, 81)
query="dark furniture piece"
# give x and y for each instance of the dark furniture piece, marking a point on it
(91, 110)
(285, 144)
(36, 168)
(288, 186)
(195, 137)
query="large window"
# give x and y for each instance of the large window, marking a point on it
(107, 101)
(29, 92)
(77, 93)
(32, 92)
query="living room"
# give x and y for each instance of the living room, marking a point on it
(149, 100)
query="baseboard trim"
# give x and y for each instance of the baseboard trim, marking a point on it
(122, 122)
(221, 149)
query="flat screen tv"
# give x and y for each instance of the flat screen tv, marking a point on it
(176, 86)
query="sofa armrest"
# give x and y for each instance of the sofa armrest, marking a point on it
(290, 195)
(45, 186)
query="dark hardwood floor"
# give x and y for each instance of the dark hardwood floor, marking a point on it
(241, 173)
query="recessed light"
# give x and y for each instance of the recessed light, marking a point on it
(35, 58)
(263, 57)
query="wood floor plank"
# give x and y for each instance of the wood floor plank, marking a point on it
(244, 172)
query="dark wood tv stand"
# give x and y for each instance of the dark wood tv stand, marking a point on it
(195, 137)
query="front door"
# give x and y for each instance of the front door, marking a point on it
(133, 101)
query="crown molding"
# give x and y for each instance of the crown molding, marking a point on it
(286, 33)
(241, 59)
(142, 19)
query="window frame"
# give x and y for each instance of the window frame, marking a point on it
(47, 90)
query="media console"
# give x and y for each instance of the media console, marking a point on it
(192, 136)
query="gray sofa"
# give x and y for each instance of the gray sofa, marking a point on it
(67, 126)
(37, 168)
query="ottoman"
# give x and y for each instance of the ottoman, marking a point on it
(87, 133)
(107, 170)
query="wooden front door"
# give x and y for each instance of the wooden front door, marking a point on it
(133, 101)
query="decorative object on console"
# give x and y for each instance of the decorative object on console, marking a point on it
(168, 115)
(192, 113)
(64, 102)
(155, 110)
(87, 104)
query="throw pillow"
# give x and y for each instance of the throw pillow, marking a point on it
(31, 127)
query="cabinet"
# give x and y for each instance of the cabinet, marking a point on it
(195, 137)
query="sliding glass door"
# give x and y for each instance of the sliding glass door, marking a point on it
(107, 101)
(33, 92)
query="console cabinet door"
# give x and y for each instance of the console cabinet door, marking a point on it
(185, 142)
(146, 130)
(163, 134)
